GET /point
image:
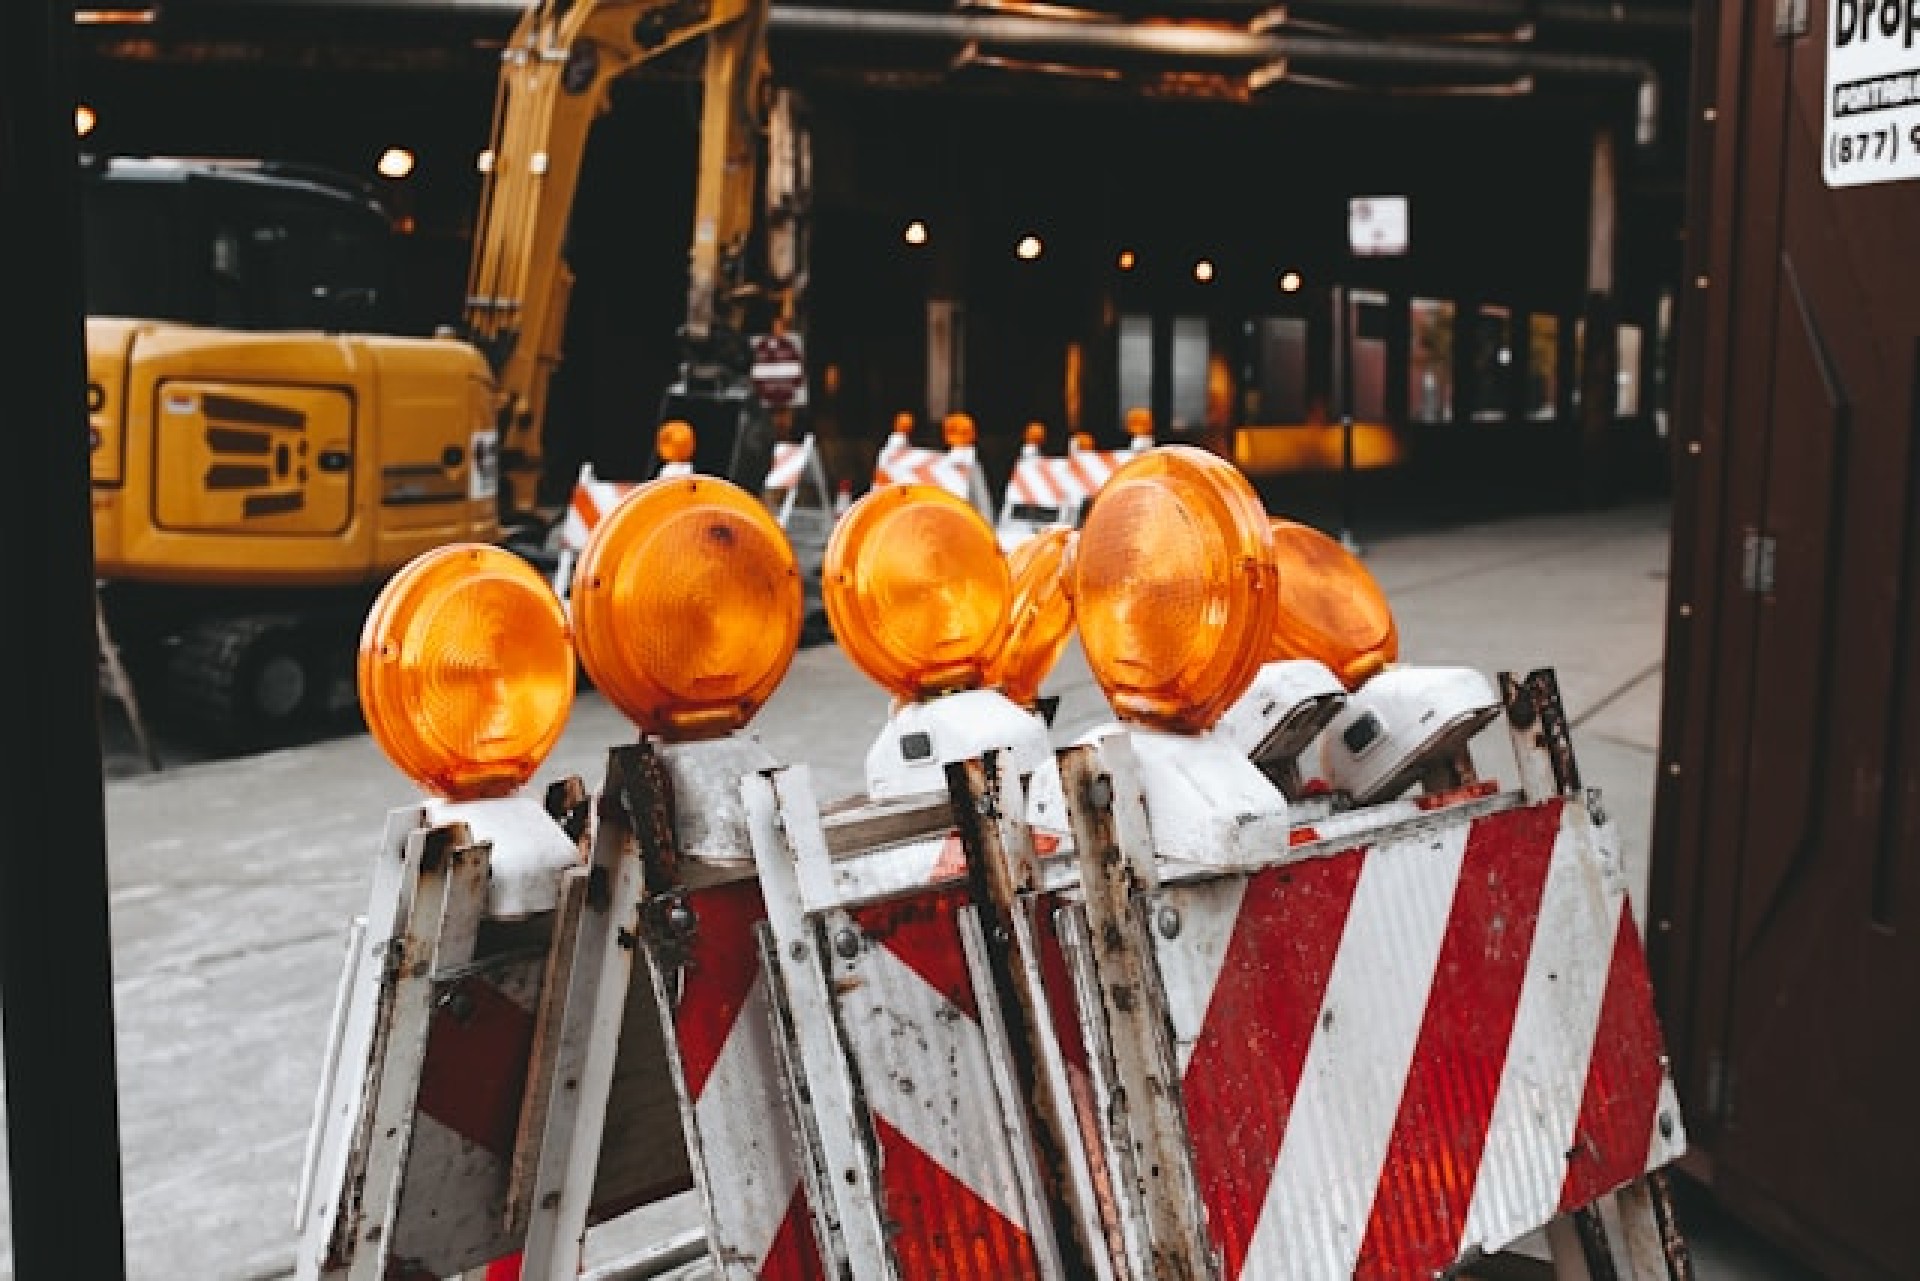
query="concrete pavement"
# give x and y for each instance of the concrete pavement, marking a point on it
(232, 882)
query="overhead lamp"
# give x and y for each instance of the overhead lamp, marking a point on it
(1127, 260)
(84, 120)
(395, 162)
(128, 17)
(916, 233)
(1290, 282)
(1203, 270)
(1029, 248)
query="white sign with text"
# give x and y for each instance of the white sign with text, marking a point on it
(1873, 92)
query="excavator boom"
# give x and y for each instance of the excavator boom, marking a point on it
(556, 79)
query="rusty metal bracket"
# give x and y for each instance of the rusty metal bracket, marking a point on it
(1150, 1150)
(1542, 737)
(1003, 874)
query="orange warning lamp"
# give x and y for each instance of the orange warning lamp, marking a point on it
(903, 423)
(1082, 440)
(674, 441)
(466, 671)
(1174, 587)
(1331, 609)
(1041, 617)
(1140, 423)
(959, 431)
(1036, 435)
(686, 606)
(916, 590)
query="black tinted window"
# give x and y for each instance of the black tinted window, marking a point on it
(132, 252)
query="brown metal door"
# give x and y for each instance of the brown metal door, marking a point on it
(1789, 816)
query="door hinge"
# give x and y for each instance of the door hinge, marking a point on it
(1756, 562)
(1789, 19)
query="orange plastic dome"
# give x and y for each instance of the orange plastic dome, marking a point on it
(466, 671)
(916, 590)
(1041, 616)
(674, 441)
(1331, 608)
(1174, 587)
(687, 606)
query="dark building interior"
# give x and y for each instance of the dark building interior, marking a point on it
(1538, 146)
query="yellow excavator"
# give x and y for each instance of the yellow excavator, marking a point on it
(265, 455)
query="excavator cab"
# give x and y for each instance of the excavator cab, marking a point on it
(266, 448)
(242, 245)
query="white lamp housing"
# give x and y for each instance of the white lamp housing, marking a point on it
(919, 741)
(529, 853)
(1400, 723)
(1283, 710)
(1206, 802)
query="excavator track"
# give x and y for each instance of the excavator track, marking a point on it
(253, 681)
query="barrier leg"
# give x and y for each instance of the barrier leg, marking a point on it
(1628, 1235)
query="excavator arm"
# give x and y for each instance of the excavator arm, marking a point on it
(556, 78)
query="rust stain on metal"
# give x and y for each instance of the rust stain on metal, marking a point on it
(570, 803)
(1002, 873)
(443, 844)
(1144, 1111)
(1672, 1243)
(645, 809)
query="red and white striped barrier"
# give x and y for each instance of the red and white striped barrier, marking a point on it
(1398, 1053)
(790, 458)
(461, 1109)
(1389, 1049)
(714, 1000)
(592, 501)
(894, 1037)
(797, 494)
(912, 1038)
(956, 470)
(1046, 491)
(948, 1172)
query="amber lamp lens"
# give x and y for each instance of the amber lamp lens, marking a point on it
(1041, 617)
(1331, 609)
(1174, 587)
(687, 607)
(466, 671)
(916, 590)
(1036, 434)
(959, 431)
(674, 441)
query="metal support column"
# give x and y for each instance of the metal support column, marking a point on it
(56, 970)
